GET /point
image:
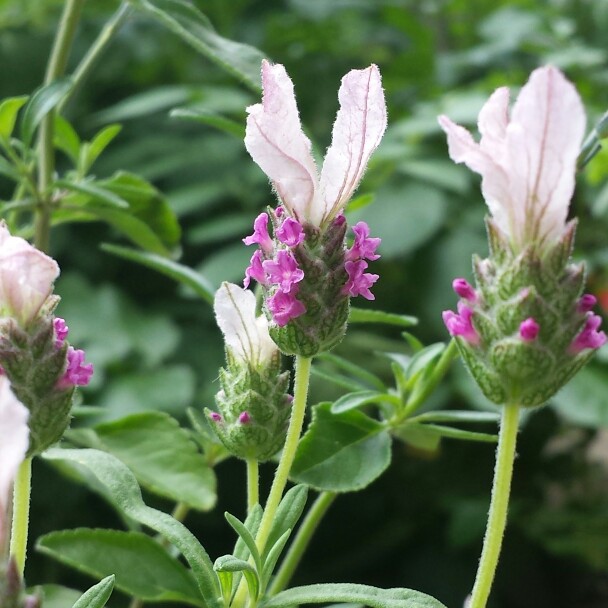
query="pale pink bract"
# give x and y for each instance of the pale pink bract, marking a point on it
(276, 142)
(527, 160)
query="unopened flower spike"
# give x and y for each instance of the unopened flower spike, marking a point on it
(253, 403)
(309, 275)
(533, 325)
(42, 367)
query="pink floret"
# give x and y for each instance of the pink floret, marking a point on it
(359, 282)
(285, 307)
(291, 232)
(77, 373)
(464, 289)
(260, 233)
(284, 270)
(364, 247)
(528, 330)
(255, 270)
(586, 303)
(461, 323)
(589, 337)
(61, 331)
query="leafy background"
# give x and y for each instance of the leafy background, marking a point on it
(155, 346)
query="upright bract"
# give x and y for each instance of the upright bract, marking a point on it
(253, 403)
(34, 355)
(307, 275)
(527, 327)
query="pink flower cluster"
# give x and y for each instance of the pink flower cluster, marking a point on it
(589, 337)
(77, 372)
(277, 266)
(461, 323)
(363, 248)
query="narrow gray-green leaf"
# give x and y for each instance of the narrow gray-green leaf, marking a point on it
(192, 26)
(122, 486)
(178, 272)
(98, 144)
(66, 139)
(288, 513)
(457, 416)
(341, 452)
(239, 527)
(211, 119)
(363, 315)
(350, 593)
(353, 401)
(9, 108)
(40, 104)
(142, 567)
(95, 192)
(97, 595)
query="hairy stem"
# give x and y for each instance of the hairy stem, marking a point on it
(298, 410)
(55, 68)
(301, 541)
(253, 483)
(21, 514)
(499, 505)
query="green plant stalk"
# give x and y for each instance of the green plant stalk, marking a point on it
(499, 505)
(21, 514)
(88, 62)
(46, 154)
(298, 410)
(253, 483)
(301, 541)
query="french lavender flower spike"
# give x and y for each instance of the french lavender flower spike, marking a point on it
(253, 403)
(42, 367)
(527, 308)
(309, 277)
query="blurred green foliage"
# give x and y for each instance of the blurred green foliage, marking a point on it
(155, 346)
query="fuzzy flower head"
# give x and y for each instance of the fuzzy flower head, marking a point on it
(26, 277)
(14, 439)
(276, 142)
(246, 335)
(526, 157)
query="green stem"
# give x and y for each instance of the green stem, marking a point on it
(253, 483)
(499, 505)
(88, 62)
(298, 410)
(21, 514)
(301, 541)
(55, 68)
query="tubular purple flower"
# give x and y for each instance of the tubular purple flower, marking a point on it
(461, 324)
(586, 303)
(464, 289)
(260, 234)
(358, 283)
(276, 142)
(244, 418)
(528, 330)
(77, 373)
(284, 307)
(255, 270)
(61, 331)
(589, 337)
(364, 247)
(527, 159)
(291, 232)
(283, 271)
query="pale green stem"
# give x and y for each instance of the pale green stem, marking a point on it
(21, 514)
(301, 541)
(499, 505)
(298, 410)
(253, 483)
(46, 153)
(94, 53)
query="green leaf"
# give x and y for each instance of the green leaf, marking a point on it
(273, 557)
(364, 315)
(352, 401)
(358, 371)
(42, 101)
(351, 593)
(240, 528)
(411, 432)
(229, 563)
(94, 192)
(9, 108)
(180, 273)
(457, 416)
(341, 453)
(142, 567)
(92, 151)
(192, 26)
(66, 139)
(212, 119)
(97, 595)
(418, 436)
(122, 486)
(8, 170)
(162, 456)
(56, 596)
(288, 513)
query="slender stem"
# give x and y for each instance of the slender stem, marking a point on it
(499, 505)
(301, 541)
(55, 68)
(253, 483)
(95, 52)
(298, 410)
(21, 514)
